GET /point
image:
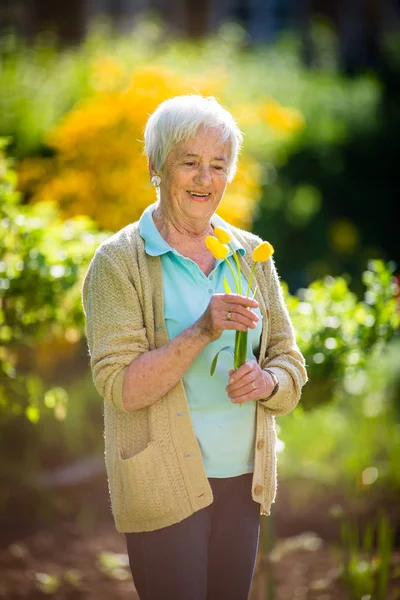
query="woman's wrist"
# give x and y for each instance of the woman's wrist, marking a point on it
(272, 383)
(201, 333)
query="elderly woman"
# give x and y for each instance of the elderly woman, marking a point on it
(190, 457)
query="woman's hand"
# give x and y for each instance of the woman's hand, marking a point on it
(227, 311)
(249, 382)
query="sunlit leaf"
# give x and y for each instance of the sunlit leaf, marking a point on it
(215, 359)
(226, 285)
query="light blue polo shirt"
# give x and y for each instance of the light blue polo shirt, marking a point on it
(225, 431)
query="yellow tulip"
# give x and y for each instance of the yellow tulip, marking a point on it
(217, 249)
(222, 235)
(263, 252)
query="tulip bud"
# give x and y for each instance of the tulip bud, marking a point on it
(222, 235)
(263, 252)
(217, 249)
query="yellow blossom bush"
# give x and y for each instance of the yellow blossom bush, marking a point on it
(106, 73)
(99, 168)
(281, 119)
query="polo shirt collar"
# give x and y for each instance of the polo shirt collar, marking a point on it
(154, 243)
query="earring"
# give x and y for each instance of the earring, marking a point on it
(155, 180)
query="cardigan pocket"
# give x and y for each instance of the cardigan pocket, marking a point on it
(146, 488)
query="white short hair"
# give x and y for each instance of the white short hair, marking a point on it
(177, 119)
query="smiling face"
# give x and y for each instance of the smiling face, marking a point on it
(194, 177)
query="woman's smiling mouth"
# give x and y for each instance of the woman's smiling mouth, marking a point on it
(199, 194)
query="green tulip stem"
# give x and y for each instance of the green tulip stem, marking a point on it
(233, 274)
(239, 285)
(253, 268)
(240, 349)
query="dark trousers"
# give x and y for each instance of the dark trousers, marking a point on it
(208, 556)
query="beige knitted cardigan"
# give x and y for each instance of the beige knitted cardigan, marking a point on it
(153, 460)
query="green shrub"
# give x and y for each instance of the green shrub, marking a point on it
(42, 262)
(352, 444)
(337, 332)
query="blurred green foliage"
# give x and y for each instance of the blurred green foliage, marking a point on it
(366, 570)
(41, 76)
(39, 84)
(353, 443)
(320, 187)
(337, 332)
(42, 262)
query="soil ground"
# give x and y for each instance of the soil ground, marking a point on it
(67, 564)
(85, 558)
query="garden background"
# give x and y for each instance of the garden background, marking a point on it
(318, 178)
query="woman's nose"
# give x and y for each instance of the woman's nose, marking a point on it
(203, 175)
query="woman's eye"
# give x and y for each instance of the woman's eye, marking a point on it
(218, 168)
(190, 164)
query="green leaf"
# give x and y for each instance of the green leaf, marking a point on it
(226, 286)
(215, 359)
(239, 276)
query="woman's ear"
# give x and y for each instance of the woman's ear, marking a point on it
(152, 170)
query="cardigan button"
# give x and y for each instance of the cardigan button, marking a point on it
(258, 490)
(260, 444)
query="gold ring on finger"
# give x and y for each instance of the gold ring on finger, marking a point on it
(228, 315)
(253, 385)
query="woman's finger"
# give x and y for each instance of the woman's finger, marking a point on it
(234, 326)
(245, 395)
(237, 300)
(250, 391)
(244, 382)
(228, 303)
(221, 315)
(230, 318)
(240, 310)
(245, 368)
